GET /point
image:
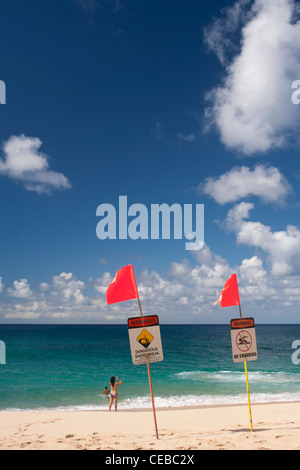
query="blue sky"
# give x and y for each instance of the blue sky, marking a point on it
(164, 102)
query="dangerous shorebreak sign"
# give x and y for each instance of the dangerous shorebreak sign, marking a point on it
(145, 339)
(243, 339)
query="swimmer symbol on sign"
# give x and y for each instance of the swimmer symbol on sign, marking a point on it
(145, 338)
(244, 341)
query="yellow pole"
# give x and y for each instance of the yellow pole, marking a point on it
(247, 384)
(248, 394)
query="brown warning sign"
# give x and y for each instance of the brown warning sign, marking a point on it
(243, 340)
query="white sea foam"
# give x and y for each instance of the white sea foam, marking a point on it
(239, 376)
(207, 400)
(177, 401)
(282, 387)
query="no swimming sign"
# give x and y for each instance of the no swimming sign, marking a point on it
(243, 339)
(145, 339)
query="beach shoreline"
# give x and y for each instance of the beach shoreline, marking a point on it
(145, 409)
(276, 426)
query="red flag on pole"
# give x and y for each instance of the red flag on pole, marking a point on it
(230, 294)
(123, 287)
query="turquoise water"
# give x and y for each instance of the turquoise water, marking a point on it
(68, 366)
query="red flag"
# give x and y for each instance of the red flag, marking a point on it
(123, 287)
(230, 294)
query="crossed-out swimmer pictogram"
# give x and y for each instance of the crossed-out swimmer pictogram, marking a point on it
(243, 340)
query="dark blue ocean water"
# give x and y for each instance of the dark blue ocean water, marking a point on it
(67, 367)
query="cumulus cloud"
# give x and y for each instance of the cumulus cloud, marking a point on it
(68, 288)
(282, 247)
(29, 311)
(25, 163)
(186, 293)
(154, 286)
(219, 37)
(20, 290)
(252, 108)
(236, 215)
(201, 281)
(189, 290)
(61, 298)
(255, 283)
(101, 284)
(240, 182)
(252, 269)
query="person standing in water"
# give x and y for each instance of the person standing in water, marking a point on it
(113, 392)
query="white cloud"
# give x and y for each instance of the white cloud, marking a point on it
(219, 37)
(252, 109)
(236, 215)
(282, 247)
(23, 162)
(180, 270)
(185, 294)
(252, 270)
(61, 299)
(68, 288)
(1, 285)
(201, 282)
(44, 286)
(187, 138)
(154, 286)
(101, 284)
(20, 290)
(26, 312)
(255, 285)
(240, 182)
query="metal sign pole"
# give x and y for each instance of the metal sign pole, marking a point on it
(150, 384)
(247, 385)
(248, 394)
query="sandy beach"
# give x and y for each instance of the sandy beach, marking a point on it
(276, 426)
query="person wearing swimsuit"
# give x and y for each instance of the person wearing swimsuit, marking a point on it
(113, 392)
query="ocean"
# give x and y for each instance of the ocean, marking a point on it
(66, 367)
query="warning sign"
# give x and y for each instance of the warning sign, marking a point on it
(145, 339)
(243, 339)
